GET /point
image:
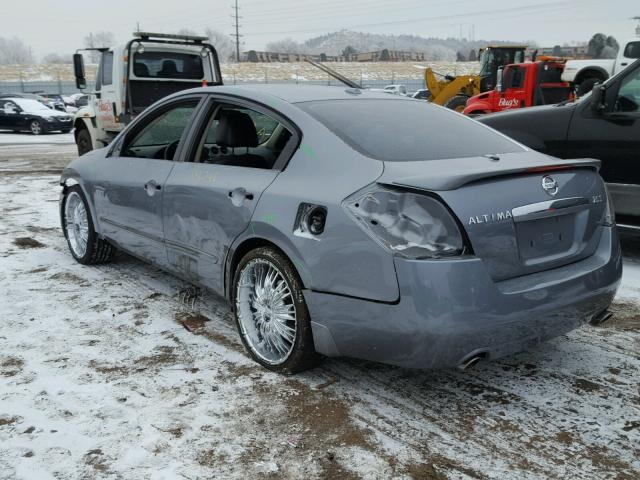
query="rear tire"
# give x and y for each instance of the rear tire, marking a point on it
(271, 313)
(457, 103)
(83, 141)
(83, 241)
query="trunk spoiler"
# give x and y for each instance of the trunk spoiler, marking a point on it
(451, 174)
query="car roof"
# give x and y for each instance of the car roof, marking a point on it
(293, 93)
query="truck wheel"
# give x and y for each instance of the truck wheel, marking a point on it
(457, 103)
(587, 85)
(83, 141)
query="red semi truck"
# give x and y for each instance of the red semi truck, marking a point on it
(523, 85)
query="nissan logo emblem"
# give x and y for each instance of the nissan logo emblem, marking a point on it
(549, 185)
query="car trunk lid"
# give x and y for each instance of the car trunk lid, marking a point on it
(523, 213)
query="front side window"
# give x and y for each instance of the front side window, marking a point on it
(632, 50)
(629, 94)
(406, 130)
(160, 138)
(242, 137)
(186, 66)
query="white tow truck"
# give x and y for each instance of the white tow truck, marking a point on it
(584, 74)
(132, 76)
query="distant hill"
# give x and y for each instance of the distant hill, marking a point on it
(438, 49)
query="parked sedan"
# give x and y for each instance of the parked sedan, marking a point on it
(25, 114)
(344, 222)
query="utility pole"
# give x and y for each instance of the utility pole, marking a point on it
(137, 26)
(237, 27)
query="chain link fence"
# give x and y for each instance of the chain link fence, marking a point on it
(66, 87)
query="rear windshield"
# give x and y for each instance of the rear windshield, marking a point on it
(407, 130)
(168, 65)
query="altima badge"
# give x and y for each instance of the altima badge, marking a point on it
(549, 185)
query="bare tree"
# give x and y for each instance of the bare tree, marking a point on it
(287, 45)
(224, 45)
(187, 31)
(98, 40)
(13, 51)
(57, 58)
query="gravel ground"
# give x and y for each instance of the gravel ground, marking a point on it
(105, 372)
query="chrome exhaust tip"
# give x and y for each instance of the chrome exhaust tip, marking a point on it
(601, 317)
(470, 362)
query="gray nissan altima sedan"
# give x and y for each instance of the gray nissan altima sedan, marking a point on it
(341, 222)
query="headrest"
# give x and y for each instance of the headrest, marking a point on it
(236, 129)
(169, 67)
(140, 69)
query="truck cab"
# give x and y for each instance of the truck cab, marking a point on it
(523, 85)
(584, 74)
(133, 76)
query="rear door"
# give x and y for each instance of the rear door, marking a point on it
(211, 195)
(613, 136)
(128, 196)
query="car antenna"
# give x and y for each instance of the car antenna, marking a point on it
(336, 75)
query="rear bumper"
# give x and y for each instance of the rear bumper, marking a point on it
(451, 309)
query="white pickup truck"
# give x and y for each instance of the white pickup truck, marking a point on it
(131, 77)
(584, 74)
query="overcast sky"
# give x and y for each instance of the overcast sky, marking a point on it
(59, 26)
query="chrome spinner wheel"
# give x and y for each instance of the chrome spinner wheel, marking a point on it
(77, 224)
(266, 311)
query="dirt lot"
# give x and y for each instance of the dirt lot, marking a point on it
(106, 373)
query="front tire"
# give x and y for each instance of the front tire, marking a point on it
(83, 141)
(36, 127)
(271, 313)
(457, 103)
(586, 85)
(83, 241)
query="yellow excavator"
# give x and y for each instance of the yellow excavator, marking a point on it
(454, 91)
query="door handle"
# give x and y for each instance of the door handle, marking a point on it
(624, 64)
(239, 195)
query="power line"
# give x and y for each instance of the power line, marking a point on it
(528, 9)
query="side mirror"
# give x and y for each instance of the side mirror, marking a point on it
(16, 109)
(499, 77)
(597, 98)
(78, 70)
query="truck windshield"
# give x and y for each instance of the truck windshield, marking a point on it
(186, 66)
(407, 130)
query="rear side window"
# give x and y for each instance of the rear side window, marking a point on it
(632, 50)
(168, 65)
(107, 68)
(407, 130)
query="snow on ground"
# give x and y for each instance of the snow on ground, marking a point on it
(9, 138)
(105, 373)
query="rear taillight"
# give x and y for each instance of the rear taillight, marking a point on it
(410, 224)
(609, 213)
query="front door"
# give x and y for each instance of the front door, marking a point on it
(129, 194)
(9, 115)
(210, 197)
(613, 136)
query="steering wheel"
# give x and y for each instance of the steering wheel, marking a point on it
(170, 150)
